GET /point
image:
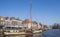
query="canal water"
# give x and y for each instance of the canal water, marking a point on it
(34, 35)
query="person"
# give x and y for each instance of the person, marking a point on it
(54, 32)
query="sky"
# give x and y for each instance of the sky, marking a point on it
(46, 12)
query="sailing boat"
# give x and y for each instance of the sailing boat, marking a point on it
(12, 30)
(32, 30)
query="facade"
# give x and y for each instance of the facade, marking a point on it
(33, 24)
(15, 22)
(2, 20)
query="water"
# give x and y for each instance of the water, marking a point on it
(51, 33)
(34, 35)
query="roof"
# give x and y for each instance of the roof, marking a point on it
(26, 21)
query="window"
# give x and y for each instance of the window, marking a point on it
(1, 23)
(15, 23)
(7, 23)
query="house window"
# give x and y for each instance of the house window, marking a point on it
(7, 23)
(15, 23)
(1, 23)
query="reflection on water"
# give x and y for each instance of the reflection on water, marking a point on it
(34, 35)
(16, 36)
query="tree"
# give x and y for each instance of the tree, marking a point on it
(40, 24)
(56, 26)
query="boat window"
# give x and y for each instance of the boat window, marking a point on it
(8, 28)
(13, 28)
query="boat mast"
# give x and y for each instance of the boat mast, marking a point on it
(31, 12)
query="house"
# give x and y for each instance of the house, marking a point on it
(31, 24)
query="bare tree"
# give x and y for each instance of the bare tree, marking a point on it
(56, 26)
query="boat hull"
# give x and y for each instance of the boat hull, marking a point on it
(22, 33)
(37, 31)
(14, 33)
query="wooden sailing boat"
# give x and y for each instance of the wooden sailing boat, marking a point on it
(29, 31)
(33, 31)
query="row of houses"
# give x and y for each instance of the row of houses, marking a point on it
(16, 22)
